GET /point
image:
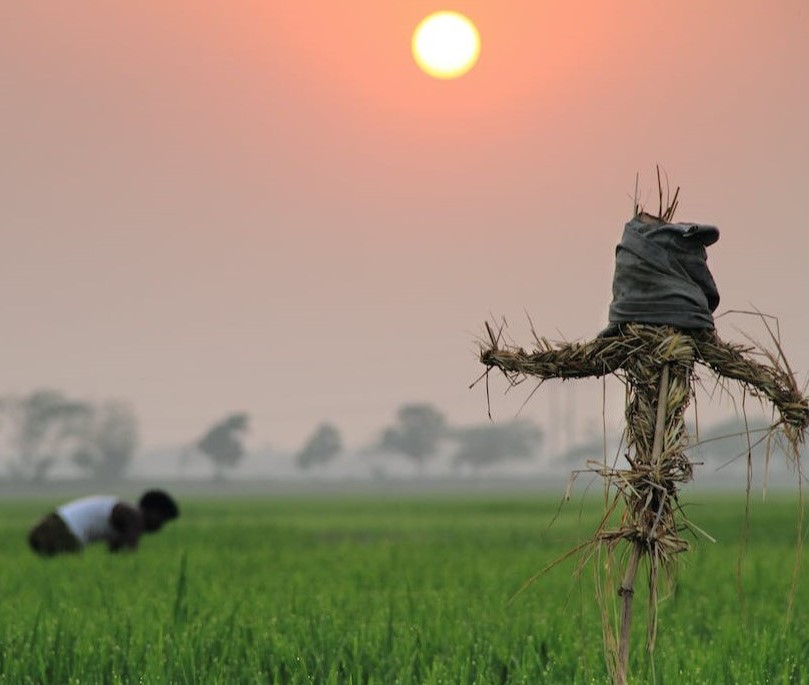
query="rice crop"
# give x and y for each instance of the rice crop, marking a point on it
(410, 589)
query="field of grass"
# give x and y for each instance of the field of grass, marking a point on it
(380, 590)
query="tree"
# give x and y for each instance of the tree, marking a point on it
(222, 443)
(45, 426)
(109, 441)
(321, 448)
(417, 435)
(492, 443)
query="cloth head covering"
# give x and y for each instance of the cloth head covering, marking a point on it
(662, 277)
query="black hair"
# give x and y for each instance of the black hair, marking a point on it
(161, 503)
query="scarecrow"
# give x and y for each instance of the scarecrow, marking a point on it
(660, 326)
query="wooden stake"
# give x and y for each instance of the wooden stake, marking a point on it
(627, 593)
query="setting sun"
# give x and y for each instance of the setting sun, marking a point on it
(446, 45)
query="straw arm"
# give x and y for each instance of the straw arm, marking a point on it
(773, 381)
(593, 358)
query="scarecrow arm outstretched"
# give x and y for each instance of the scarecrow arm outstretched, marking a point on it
(593, 358)
(772, 381)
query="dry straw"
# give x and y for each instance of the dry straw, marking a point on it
(643, 523)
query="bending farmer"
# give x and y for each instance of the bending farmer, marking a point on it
(101, 518)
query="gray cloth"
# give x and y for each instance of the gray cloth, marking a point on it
(662, 277)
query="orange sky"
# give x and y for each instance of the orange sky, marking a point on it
(214, 206)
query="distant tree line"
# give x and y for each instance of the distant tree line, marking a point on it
(421, 430)
(44, 428)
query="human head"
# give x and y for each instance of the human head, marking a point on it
(157, 507)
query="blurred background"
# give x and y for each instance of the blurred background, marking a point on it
(253, 241)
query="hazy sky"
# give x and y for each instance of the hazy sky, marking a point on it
(265, 206)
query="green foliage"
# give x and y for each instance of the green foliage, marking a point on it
(223, 442)
(108, 441)
(410, 590)
(321, 448)
(417, 433)
(44, 426)
(494, 442)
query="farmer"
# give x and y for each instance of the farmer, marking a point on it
(101, 518)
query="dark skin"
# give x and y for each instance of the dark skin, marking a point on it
(129, 524)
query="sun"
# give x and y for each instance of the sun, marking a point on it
(446, 45)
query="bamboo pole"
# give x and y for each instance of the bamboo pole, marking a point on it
(627, 593)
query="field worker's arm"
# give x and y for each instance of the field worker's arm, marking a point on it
(128, 524)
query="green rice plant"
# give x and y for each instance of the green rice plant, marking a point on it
(379, 590)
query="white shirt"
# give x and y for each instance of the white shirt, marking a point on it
(88, 518)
